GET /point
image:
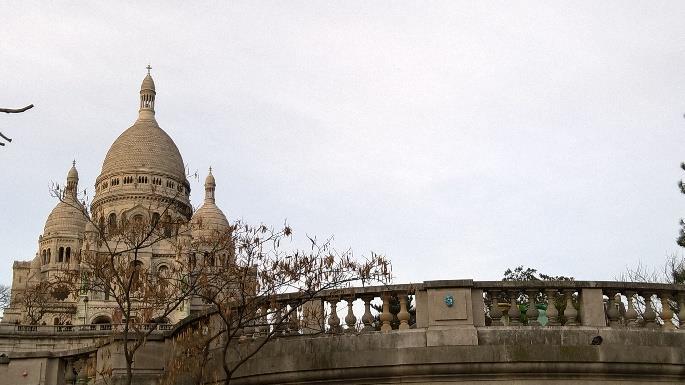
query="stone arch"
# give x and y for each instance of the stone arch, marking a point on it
(101, 319)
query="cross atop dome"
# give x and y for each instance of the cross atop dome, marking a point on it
(148, 68)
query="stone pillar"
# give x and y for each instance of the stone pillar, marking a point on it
(591, 307)
(450, 307)
(312, 317)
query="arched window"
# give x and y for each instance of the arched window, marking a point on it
(49, 255)
(135, 279)
(112, 222)
(167, 225)
(60, 255)
(45, 257)
(155, 219)
(192, 261)
(102, 223)
(68, 254)
(209, 259)
(163, 271)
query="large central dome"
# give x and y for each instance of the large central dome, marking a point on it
(142, 166)
(144, 148)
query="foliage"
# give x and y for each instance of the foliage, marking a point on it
(521, 274)
(112, 267)
(527, 274)
(266, 292)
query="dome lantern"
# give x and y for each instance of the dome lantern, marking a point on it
(147, 97)
(72, 181)
(210, 186)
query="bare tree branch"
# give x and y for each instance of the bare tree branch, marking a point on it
(16, 111)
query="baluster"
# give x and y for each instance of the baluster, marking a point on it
(403, 315)
(367, 318)
(631, 313)
(386, 316)
(495, 312)
(666, 312)
(552, 311)
(294, 320)
(532, 312)
(277, 319)
(649, 316)
(612, 309)
(350, 319)
(570, 312)
(248, 330)
(333, 320)
(681, 313)
(514, 313)
(264, 320)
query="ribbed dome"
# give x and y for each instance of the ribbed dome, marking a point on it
(209, 217)
(144, 147)
(67, 218)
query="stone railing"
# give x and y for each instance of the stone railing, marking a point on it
(88, 329)
(586, 303)
(481, 304)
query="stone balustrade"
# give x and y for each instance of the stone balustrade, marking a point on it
(460, 330)
(587, 303)
(435, 304)
(88, 329)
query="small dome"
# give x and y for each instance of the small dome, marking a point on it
(148, 84)
(209, 217)
(67, 218)
(210, 179)
(73, 174)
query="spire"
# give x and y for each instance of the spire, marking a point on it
(210, 186)
(147, 97)
(72, 181)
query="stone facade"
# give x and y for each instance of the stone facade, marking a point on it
(143, 175)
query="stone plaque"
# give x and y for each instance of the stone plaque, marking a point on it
(449, 304)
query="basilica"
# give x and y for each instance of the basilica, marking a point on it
(143, 175)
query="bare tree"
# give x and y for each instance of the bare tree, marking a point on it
(12, 111)
(262, 293)
(672, 271)
(112, 267)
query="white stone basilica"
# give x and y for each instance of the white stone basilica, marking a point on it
(143, 172)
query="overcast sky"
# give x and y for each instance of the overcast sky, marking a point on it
(457, 138)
